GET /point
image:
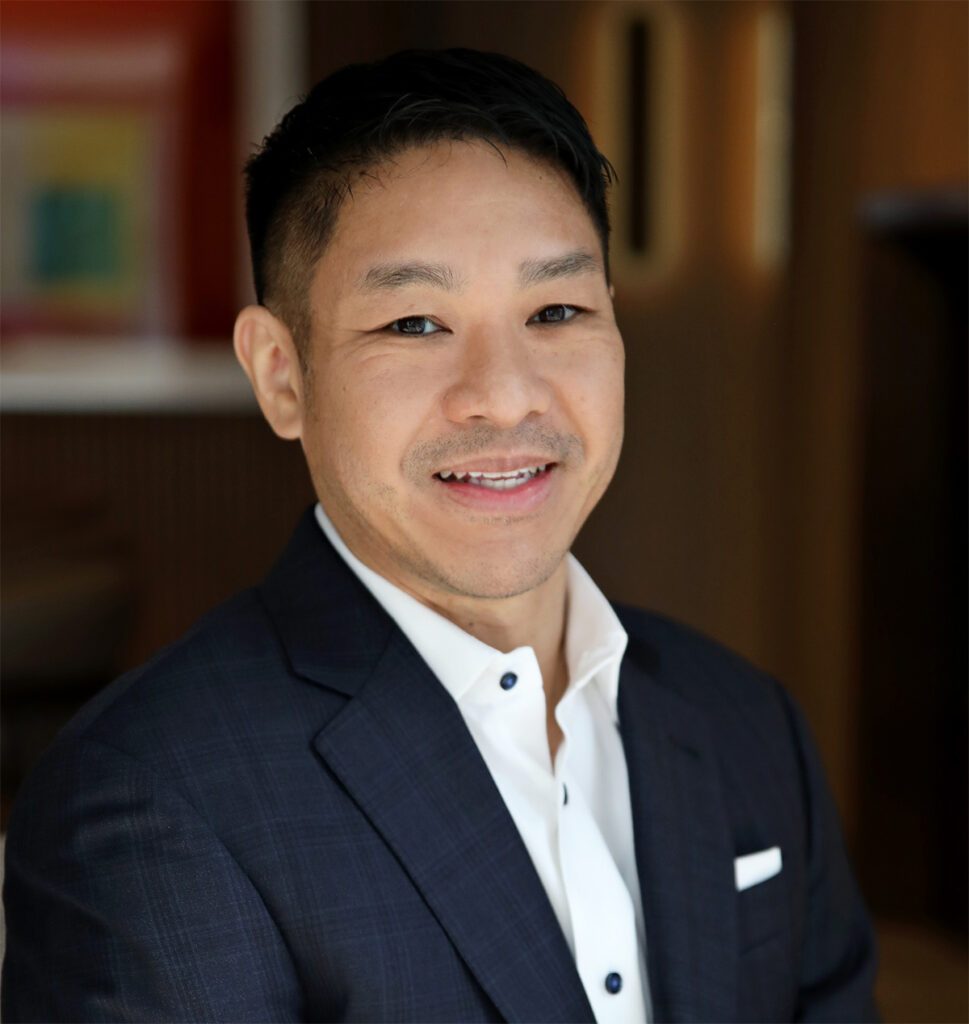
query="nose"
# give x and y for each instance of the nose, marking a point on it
(498, 380)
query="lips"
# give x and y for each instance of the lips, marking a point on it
(505, 480)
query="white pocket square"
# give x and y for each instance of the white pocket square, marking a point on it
(756, 867)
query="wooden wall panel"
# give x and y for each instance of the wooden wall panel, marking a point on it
(193, 507)
(873, 83)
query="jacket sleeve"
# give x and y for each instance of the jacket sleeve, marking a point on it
(839, 958)
(121, 904)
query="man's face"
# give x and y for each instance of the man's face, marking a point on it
(466, 404)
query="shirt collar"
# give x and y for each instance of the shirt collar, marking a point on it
(594, 643)
(595, 640)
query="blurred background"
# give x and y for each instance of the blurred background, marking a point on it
(790, 262)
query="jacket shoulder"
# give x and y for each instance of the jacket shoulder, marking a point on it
(698, 668)
(194, 713)
(227, 642)
(751, 719)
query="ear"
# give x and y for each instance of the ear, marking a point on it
(612, 292)
(265, 348)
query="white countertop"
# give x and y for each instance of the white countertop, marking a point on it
(122, 375)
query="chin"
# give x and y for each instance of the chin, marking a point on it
(495, 580)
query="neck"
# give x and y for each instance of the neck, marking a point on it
(534, 619)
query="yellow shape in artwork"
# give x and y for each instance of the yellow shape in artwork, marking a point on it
(88, 179)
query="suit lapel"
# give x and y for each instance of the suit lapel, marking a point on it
(403, 752)
(684, 852)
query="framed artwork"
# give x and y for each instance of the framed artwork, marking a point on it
(90, 177)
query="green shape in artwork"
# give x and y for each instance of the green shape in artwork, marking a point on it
(77, 234)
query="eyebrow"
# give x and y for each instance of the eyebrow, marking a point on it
(389, 276)
(578, 262)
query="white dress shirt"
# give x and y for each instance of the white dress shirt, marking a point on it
(574, 816)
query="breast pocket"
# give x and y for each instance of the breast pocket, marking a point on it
(763, 911)
(767, 975)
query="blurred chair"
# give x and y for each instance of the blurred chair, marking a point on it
(65, 605)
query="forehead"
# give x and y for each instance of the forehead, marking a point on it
(463, 203)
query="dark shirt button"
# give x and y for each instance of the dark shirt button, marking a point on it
(613, 982)
(565, 795)
(508, 680)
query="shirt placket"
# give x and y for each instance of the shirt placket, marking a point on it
(511, 718)
(605, 945)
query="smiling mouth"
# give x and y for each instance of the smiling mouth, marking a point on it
(506, 481)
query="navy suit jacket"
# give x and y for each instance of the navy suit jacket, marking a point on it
(283, 817)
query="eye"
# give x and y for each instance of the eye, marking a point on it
(557, 314)
(413, 326)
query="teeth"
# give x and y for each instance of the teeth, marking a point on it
(501, 484)
(503, 476)
(495, 481)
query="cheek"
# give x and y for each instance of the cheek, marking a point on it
(594, 391)
(366, 429)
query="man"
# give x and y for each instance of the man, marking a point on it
(425, 771)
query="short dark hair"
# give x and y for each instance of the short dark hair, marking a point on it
(362, 115)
